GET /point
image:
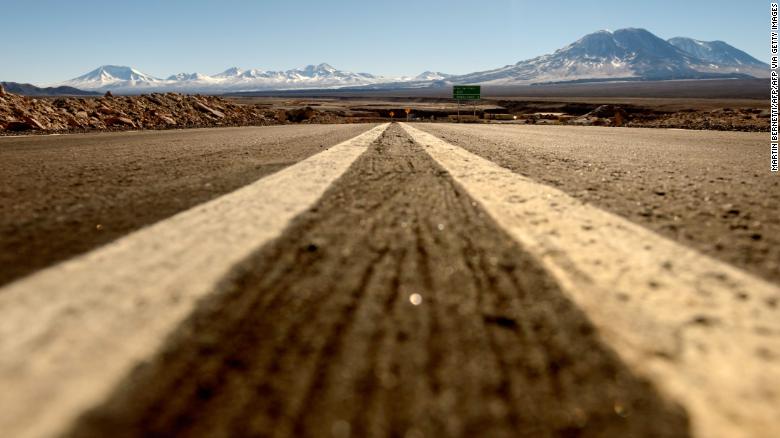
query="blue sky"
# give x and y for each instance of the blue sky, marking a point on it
(45, 41)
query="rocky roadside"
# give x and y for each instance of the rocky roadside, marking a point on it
(27, 115)
(720, 119)
(724, 119)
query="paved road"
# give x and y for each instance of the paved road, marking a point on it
(63, 195)
(399, 284)
(706, 189)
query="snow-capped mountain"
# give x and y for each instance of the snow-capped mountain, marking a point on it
(431, 76)
(604, 55)
(129, 80)
(189, 77)
(231, 72)
(721, 55)
(625, 54)
(111, 77)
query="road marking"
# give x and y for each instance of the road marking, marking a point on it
(707, 334)
(69, 333)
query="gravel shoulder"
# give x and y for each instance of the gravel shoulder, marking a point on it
(64, 195)
(709, 190)
(395, 307)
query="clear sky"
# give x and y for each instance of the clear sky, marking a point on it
(46, 41)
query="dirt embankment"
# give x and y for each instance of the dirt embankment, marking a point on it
(640, 116)
(723, 119)
(22, 114)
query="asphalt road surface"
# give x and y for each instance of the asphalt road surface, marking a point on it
(390, 280)
(63, 195)
(710, 190)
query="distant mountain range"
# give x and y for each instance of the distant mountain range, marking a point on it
(625, 54)
(720, 54)
(32, 90)
(123, 79)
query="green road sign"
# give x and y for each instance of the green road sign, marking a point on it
(465, 92)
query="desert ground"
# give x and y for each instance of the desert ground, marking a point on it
(725, 105)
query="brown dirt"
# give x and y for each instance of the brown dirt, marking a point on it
(722, 119)
(754, 118)
(318, 333)
(21, 114)
(64, 195)
(40, 115)
(700, 114)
